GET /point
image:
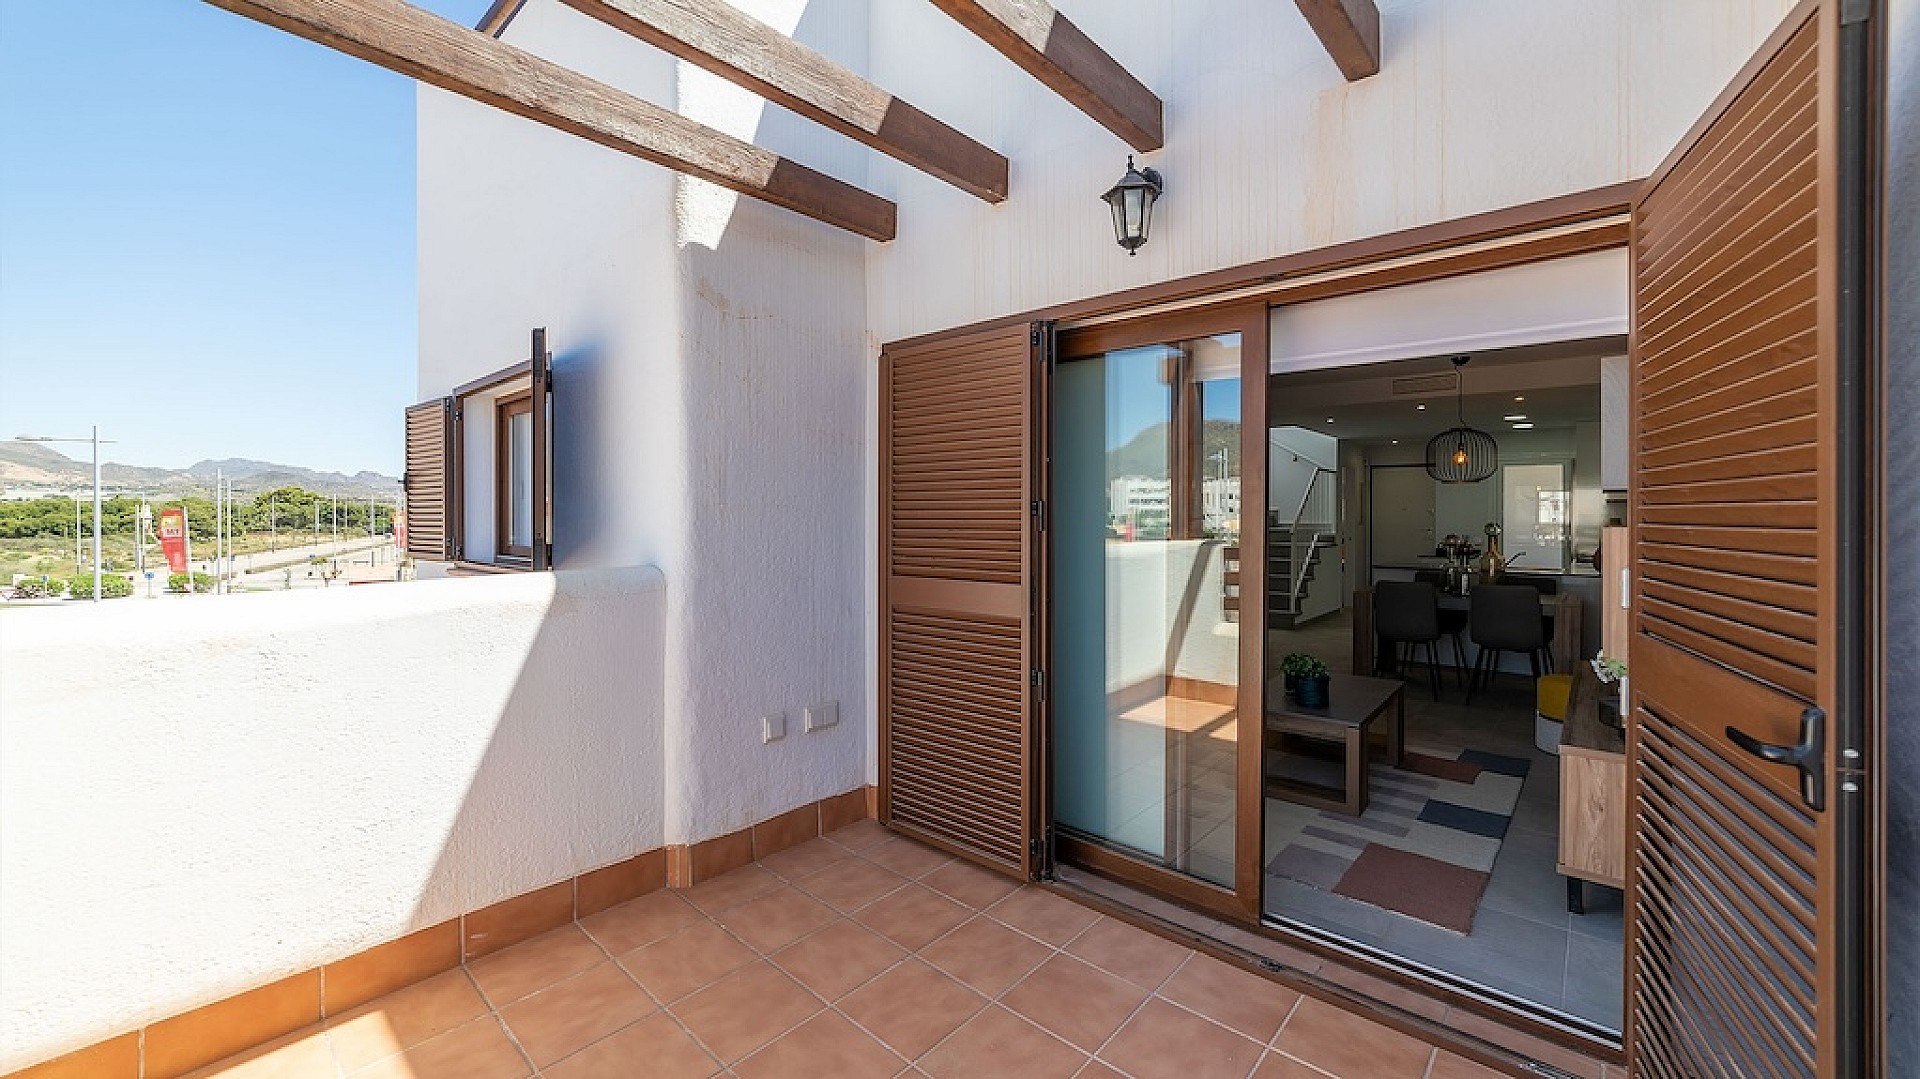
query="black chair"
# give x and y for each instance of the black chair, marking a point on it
(1504, 618)
(1453, 623)
(1546, 586)
(1407, 613)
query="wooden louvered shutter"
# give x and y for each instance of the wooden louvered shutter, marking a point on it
(1744, 917)
(959, 651)
(429, 480)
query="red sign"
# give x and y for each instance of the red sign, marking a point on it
(173, 538)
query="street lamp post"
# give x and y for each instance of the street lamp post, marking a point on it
(96, 440)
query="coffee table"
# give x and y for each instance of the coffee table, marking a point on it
(1354, 704)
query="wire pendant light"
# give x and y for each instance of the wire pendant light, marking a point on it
(1462, 454)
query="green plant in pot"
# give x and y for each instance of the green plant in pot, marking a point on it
(1294, 666)
(1313, 680)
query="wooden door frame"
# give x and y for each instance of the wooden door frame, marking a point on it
(1250, 321)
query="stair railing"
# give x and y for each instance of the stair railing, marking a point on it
(1303, 559)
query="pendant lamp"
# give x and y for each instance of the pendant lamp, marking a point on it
(1462, 454)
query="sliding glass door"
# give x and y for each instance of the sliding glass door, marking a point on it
(1150, 683)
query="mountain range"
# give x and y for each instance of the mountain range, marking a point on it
(29, 467)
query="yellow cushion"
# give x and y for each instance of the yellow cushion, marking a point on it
(1551, 693)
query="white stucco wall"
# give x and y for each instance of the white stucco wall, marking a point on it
(1478, 105)
(198, 797)
(711, 410)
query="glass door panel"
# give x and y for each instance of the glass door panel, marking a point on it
(1146, 637)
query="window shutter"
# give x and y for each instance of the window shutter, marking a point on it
(960, 656)
(542, 383)
(429, 481)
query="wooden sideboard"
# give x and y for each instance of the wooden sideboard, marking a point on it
(1593, 794)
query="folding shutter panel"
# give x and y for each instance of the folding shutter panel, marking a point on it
(429, 480)
(1741, 955)
(542, 383)
(959, 647)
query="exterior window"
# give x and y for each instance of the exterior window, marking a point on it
(1535, 515)
(513, 477)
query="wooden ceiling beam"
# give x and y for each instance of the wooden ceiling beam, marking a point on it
(419, 44)
(721, 38)
(1350, 30)
(1055, 51)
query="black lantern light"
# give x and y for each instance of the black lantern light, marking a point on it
(1462, 454)
(1131, 201)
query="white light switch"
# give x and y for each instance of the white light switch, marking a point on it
(773, 727)
(822, 716)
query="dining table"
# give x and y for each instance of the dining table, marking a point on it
(1369, 653)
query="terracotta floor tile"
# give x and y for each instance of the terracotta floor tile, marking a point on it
(1039, 913)
(851, 884)
(1231, 996)
(912, 1007)
(905, 857)
(746, 1010)
(1448, 1066)
(687, 961)
(1080, 1003)
(478, 1050)
(1097, 1070)
(640, 921)
(399, 1021)
(986, 955)
(655, 1047)
(912, 917)
(997, 1044)
(807, 858)
(304, 1054)
(512, 973)
(969, 884)
(777, 919)
(731, 889)
(824, 1046)
(1281, 1066)
(1140, 957)
(1162, 1041)
(565, 1018)
(839, 958)
(1349, 1046)
(860, 835)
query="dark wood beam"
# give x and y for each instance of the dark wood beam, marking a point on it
(1350, 29)
(498, 15)
(715, 35)
(1035, 36)
(400, 37)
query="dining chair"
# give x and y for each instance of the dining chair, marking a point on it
(1407, 614)
(1504, 618)
(1453, 623)
(1546, 586)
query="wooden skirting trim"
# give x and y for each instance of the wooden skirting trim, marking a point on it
(173, 1047)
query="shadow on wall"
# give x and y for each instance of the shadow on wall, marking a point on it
(571, 778)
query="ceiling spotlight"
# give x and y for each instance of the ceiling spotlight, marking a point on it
(1519, 396)
(1329, 419)
(1421, 406)
(1523, 427)
(1510, 419)
(1396, 442)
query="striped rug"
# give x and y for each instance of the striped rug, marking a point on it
(1425, 846)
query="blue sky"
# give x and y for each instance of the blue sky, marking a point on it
(206, 236)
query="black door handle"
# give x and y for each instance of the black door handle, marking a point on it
(1809, 755)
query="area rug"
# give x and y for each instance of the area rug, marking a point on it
(1426, 844)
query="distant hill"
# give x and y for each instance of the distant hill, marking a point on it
(1145, 454)
(26, 467)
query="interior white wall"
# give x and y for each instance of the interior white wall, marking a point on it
(198, 797)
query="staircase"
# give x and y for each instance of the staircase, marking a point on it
(1294, 556)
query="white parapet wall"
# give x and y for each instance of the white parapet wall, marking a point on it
(199, 796)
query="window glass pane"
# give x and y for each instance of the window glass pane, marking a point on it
(520, 479)
(1146, 642)
(1534, 516)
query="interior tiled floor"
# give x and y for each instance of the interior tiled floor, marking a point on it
(1524, 941)
(858, 954)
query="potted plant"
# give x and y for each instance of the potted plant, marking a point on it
(1313, 681)
(1300, 668)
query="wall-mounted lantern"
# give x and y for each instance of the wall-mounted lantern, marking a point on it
(1131, 201)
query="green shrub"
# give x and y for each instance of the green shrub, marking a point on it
(202, 582)
(112, 586)
(37, 588)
